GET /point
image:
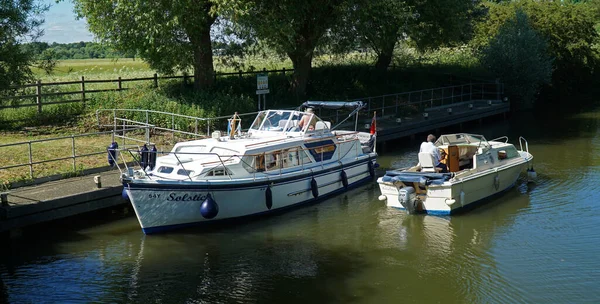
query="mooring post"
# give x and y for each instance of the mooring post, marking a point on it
(4, 199)
(98, 181)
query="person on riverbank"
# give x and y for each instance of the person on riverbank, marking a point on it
(430, 147)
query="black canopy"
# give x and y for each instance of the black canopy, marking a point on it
(334, 105)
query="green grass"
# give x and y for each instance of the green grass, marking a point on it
(332, 78)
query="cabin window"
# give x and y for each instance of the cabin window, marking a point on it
(185, 172)
(321, 150)
(258, 121)
(303, 157)
(165, 170)
(511, 152)
(273, 160)
(275, 121)
(249, 163)
(218, 172)
(290, 158)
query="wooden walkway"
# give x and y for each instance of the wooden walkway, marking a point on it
(388, 128)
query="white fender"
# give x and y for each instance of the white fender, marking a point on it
(382, 197)
(450, 202)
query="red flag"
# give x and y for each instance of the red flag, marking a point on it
(373, 130)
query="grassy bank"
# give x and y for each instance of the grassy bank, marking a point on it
(332, 78)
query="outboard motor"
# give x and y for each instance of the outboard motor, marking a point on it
(408, 199)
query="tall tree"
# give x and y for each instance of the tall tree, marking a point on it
(518, 54)
(170, 35)
(292, 27)
(19, 22)
(569, 29)
(380, 24)
(428, 24)
(444, 22)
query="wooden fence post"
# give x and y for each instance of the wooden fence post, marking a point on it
(83, 90)
(120, 84)
(38, 98)
(215, 75)
(240, 73)
(155, 80)
(283, 71)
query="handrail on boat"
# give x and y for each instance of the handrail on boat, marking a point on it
(521, 140)
(500, 138)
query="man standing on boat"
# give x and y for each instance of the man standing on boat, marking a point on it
(430, 147)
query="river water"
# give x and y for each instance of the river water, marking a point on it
(537, 243)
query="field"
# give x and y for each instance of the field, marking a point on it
(341, 77)
(73, 69)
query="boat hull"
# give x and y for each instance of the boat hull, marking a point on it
(165, 206)
(459, 193)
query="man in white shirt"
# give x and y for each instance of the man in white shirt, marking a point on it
(429, 146)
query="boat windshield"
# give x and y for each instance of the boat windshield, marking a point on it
(287, 121)
(462, 138)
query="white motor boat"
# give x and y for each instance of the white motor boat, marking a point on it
(477, 169)
(285, 159)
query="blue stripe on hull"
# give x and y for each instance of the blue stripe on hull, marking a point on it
(158, 229)
(472, 205)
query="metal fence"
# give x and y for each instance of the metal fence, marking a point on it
(74, 147)
(125, 124)
(45, 92)
(422, 100)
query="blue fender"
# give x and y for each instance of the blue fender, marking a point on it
(209, 208)
(269, 198)
(314, 188)
(344, 178)
(112, 153)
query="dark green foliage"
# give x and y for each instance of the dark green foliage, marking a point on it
(170, 35)
(18, 23)
(76, 50)
(443, 22)
(518, 54)
(568, 28)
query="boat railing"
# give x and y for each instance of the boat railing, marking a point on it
(505, 138)
(521, 141)
(134, 152)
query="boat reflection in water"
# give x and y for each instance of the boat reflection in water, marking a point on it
(455, 254)
(265, 262)
(347, 249)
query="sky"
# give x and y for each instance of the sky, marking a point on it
(61, 24)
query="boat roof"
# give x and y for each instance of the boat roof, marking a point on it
(471, 139)
(460, 138)
(334, 105)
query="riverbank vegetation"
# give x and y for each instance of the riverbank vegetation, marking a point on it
(338, 50)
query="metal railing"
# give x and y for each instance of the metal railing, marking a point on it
(122, 126)
(267, 163)
(31, 151)
(421, 100)
(164, 121)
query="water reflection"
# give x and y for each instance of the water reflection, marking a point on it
(536, 243)
(454, 254)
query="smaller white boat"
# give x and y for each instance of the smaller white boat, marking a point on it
(477, 169)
